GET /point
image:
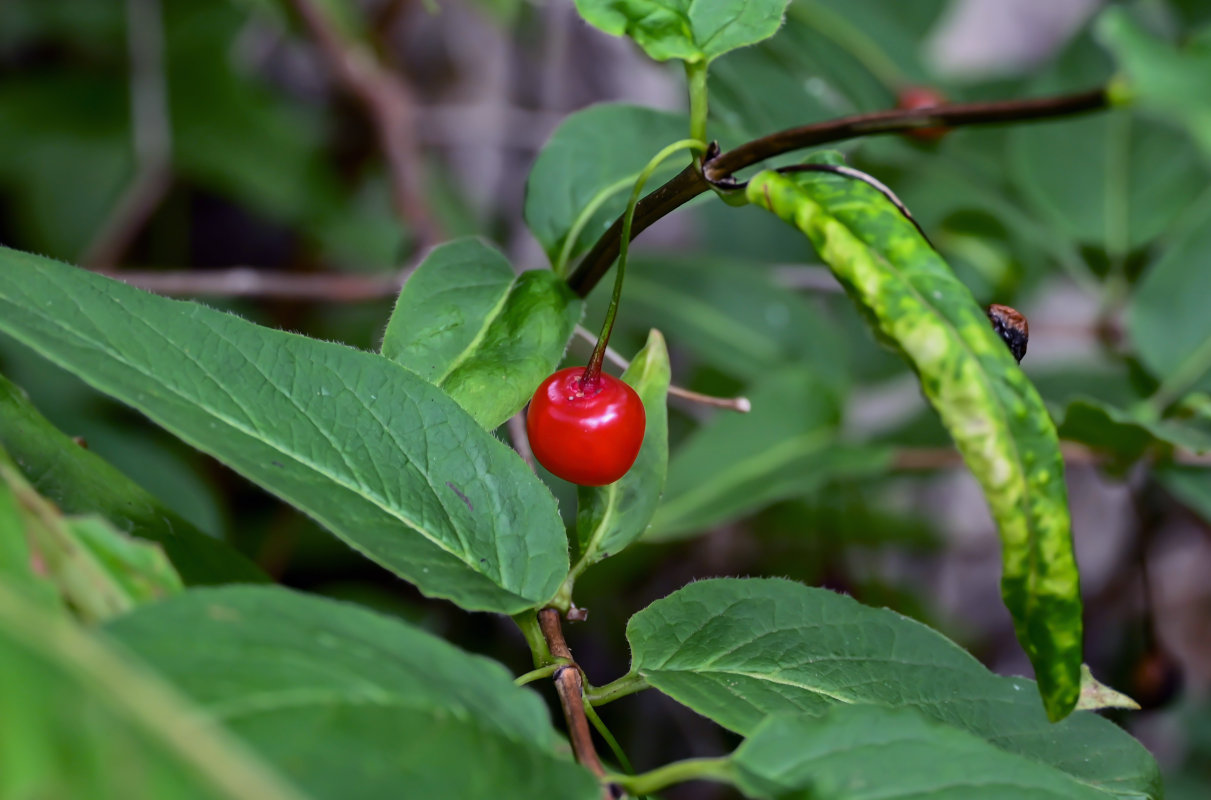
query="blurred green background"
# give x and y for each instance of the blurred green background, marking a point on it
(219, 150)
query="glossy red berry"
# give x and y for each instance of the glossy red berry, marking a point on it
(914, 97)
(585, 432)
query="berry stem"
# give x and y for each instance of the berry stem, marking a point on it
(593, 370)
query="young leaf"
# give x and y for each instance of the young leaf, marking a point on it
(378, 455)
(80, 482)
(738, 651)
(99, 571)
(608, 518)
(994, 414)
(350, 703)
(18, 569)
(786, 446)
(593, 151)
(81, 721)
(1170, 81)
(867, 752)
(466, 323)
(685, 29)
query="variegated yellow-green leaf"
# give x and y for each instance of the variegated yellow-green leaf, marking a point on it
(993, 412)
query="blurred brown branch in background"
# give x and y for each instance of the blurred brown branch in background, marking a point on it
(389, 105)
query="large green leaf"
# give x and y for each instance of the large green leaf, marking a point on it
(738, 651)
(79, 482)
(608, 518)
(786, 446)
(1127, 433)
(732, 317)
(1111, 180)
(381, 457)
(866, 752)
(1167, 319)
(1162, 78)
(78, 720)
(100, 572)
(685, 29)
(353, 704)
(600, 147)
(996, 417)
(467, 323)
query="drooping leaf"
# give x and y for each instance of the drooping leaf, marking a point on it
(609, 518)
(1167, 319)
(465, 322)
(592, 150)
(866, 752)
(685, 29)
(739, 650)
(353, 704)
(786, 446)
(1161, 77)
(80, 482)
(99, 571)
(80, 721)
(994, 414)
(382, 458)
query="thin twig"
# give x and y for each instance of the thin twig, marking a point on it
(521, 439)
(740, 404)
(152, 134)
(569, 685)
(388, 103)
(251, 282)
(934, 458)
(718, 169)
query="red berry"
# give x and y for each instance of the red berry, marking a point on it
(914, 97)
(586, 434)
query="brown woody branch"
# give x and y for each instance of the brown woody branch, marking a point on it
(569, 685)
(719, 168)
(388, 103)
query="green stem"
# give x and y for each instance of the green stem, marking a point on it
(695, 72)
(536, 674)
(582, 219)
(628, 684)
(604, 733)
(693, 769)
(527, 621)
(593, 370)
(851, 39)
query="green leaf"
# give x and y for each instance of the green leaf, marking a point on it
(732, 317)
(1167, 319)
(1097, 695)
(866, 752)
(594, 150)
(353, 704)
(738, 651)
(1162, 78)
(80, 482)
(996, 417)
(609, 518)
(1190, 485)
(466, 323)
(18, 568)
(1127, 433)
(379, 456)
(100, 572)
(82, 721)
(786, 446)
(1111, 180)
(685, 29)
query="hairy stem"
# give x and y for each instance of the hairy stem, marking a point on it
(627, 684)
